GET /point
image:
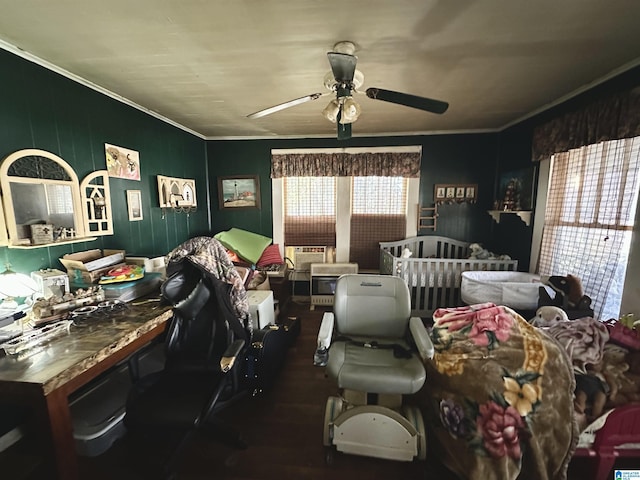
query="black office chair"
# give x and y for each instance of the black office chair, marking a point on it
(203, 340)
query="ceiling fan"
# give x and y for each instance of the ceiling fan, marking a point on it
(344, 80)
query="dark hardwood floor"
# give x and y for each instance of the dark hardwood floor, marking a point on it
(283, 430)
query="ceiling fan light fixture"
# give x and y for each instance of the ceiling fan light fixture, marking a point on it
(350, 110)
(331, 111)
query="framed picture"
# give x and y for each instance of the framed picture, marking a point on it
(459, 192)
(134, 205)
(515, 191)
(440, 192)
(451, 192)
(122, 162)
(470, 192)
(239, 191)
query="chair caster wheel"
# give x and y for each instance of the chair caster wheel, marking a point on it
(329, 456)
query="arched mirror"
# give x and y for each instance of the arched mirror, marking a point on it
(41, 197)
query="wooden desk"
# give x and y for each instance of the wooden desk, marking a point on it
(44, 378)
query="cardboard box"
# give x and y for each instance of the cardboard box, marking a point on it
(90, 265)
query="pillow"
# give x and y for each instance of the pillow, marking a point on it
(270, 256)
(249, 246)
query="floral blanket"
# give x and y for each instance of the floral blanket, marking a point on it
(499, 396)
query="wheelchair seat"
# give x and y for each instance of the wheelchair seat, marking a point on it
(374, 350)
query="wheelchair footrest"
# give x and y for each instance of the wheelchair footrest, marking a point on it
(375, 431)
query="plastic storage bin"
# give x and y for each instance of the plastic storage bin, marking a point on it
(518, 290)
(98, 410)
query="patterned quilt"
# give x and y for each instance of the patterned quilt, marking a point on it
(499, 396)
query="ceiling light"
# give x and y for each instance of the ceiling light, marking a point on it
(350, 110)
(331, 111)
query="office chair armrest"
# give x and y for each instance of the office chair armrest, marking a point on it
(324, 340)
(421, 337)
(231, 353)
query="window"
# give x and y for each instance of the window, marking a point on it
(378, 214)
(310, 211)
(589, 217)
(352, 214)
(345, 197)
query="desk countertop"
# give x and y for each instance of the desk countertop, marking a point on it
(89, 341)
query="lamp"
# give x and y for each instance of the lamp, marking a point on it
(331, 111)
(14, 285)
(350, 110)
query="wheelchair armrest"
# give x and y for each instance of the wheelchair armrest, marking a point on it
(231, 353)
(421, 337)
(325, 335)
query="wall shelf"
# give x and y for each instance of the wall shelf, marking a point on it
(53, 244)
(525, 215)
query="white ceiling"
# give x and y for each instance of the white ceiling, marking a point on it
(206, 64)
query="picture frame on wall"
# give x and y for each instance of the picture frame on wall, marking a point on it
(239, 192)
(134, 205)
(470, 192)
(122, 162)
(455, 193)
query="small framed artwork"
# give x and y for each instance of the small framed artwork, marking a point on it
(239, 191)
(470, 192)
(440, 192)
(134, 205)
(459, 192)
(122, 162)
(451, 192)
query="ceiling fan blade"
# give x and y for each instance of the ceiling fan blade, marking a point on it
(421, 103)
(343, 66)
(282, 106)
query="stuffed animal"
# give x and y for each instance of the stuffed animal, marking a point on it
(478, 252)
(548, 316)
(569, 294)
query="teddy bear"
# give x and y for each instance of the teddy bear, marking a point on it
(548, 316)
(569, 295)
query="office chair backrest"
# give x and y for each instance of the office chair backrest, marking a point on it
(375, 305)
(203, 324)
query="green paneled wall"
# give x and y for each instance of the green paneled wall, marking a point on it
(44, 110)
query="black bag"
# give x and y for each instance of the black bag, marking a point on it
(291, 325)
(265, 357)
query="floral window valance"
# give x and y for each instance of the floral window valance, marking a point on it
(342, 164)
(611, 118)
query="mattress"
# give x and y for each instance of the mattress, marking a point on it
(518, 290)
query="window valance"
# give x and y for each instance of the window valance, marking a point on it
(345, 164)
(611, 118)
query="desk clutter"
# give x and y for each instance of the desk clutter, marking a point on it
(95, 282)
